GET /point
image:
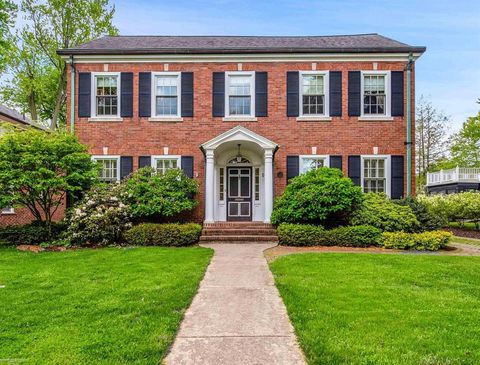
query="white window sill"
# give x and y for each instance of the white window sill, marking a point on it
(239, 119)
(105, 119)
(375, 118)
(8, 213)
(312, 118)
(165, 119)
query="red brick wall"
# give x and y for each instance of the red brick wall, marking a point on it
(342, 136)
(23, 216)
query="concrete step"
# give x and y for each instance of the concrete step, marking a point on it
(205, 242)
(231, 231)
(245, 238)
(237, 225)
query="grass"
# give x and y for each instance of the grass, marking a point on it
(466, 241)
(107, 306)
(383, 309)
(467, 225)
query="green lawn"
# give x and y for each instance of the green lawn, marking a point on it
(383, 309)
(106, 306)
(466, 225)
(465, 240)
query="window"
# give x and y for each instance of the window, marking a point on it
(313, 98)
(240, 88)
(374, 175)
(106, 88)
(164, 163)
(375, 101)
(257, 183)
(166, 92)
(222, 184)
(7, 210)
(110, 168)
(311, 162)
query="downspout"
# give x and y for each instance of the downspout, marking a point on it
(72, 95)
(408, 143)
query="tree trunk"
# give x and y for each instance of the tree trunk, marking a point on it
(61, 91)
(32, 106)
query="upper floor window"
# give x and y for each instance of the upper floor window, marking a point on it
(164, 163)
(109, 168)
(239, 95)
(374, 175)
(375, 90)
(312, 162)
(106, 95)
(166, 94)
(313, 93)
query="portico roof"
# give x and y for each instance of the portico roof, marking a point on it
(239, 133)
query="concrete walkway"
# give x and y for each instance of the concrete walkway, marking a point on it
(237, 316)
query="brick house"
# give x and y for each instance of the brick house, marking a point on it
(242, 115)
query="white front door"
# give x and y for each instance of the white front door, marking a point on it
(239, 193)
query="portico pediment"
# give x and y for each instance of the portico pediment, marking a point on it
(237, 134)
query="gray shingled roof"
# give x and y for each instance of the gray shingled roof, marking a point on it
(13, 114)
(358, 43)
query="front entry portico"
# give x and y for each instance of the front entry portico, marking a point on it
(238, 177)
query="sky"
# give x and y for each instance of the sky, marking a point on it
(448, 73)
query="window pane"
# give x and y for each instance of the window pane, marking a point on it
(374, 94)
(106, 95)
(311, 163)
(167, 85)
(239, 91)
(239, 105)
(312, 85)
(313, 98)
(374, 175)
(165, 164)
(109, 170)
(166, 105)
(239, 85)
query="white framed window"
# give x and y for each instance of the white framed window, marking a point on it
(311, 162)
(221, 184)
(239, 94)
(314, 94)
(106, 95)
(257, 183)
(8, 210)
(110, 168)
(375, 86)
(375, 171)
(166, 91)
(163, 163)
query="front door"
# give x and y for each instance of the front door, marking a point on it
(239, 193)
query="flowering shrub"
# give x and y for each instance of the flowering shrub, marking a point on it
(100, 218)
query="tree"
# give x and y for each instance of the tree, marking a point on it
(430, 137)
(51, 25)
(38, 169)
(465, 148)
(8, 12)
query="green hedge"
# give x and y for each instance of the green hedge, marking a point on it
(29, 234)
(430, 241)
(168, 234)
(310, 235)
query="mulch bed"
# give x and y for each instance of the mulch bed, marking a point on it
(462, 232)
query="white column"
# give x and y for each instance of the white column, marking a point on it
(209, 186)
(268, 185)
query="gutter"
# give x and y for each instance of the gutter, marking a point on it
(408, 142)
(72, 95)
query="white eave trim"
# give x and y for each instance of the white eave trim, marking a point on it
(278, 57)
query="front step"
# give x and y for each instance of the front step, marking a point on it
(238, 232)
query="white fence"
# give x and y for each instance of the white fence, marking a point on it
(458, 174)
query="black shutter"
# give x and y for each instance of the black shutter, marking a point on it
(126, 94)
(187, 94)
(397, 177)
(144, 161)
(335, 93)
(218, 89)
(261, 94)
(84, 94)
(354, 169)
(187, 165)
(354, 91)
(292, 93)
(126, 166)
(336, 162)
(293, 167)
(144, 94)
(397, 93)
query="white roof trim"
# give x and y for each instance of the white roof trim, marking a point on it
(239, 132)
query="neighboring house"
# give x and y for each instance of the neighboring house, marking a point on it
(243, 115)
(9, 215)
(453, 180)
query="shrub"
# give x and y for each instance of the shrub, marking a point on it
(309, 235)
(167, 234)
(430, 241)
(100, 218)
(321, 196)
(159, 195)
(428, 220)
(380, 212)
(30, 234)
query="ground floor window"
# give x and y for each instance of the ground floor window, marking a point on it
(7, 210)
(257, 184)
(109, 168)
(374, 175)
(221, 188)
(162, 164)
(312, 162)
